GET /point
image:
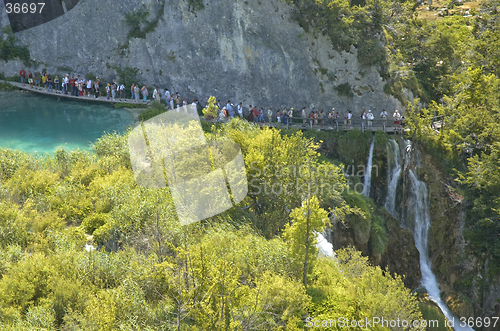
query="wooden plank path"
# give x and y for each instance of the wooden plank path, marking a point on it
(297, 123)
(59, 94)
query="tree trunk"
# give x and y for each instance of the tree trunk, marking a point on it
(304, 275)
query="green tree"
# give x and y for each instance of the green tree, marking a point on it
(212, 111)
(306, 222)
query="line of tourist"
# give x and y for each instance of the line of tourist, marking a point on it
(286, 116)
(81, 86)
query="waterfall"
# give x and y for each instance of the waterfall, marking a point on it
(393, 177)
(324, 247)
(419, 209)
(368, 171)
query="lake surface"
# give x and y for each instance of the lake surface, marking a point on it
(39, 124)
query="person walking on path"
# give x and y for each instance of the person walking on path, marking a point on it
(84, 86)
(132, 91)
(322, 117)
(65, 84)
(397, 117)
(56, 82)
(369, 117)
(383, 116)
(270, 115)
(156, 95)
(97, 88)
(178, 100)
(72, 83)
(290, 116)
(30, 79)
(240, 110)
(167, 96)
(49, 83)
(122, 92)
(113, 90)
(118, 90)
(22, 73)
(108, 90)
(171, 102)
(144, 92)
(331, 115)
(136, 93)
(38, 77)
(278, 116)
(44, 80)
(79, 88)
(250, 114)
(89, 87)
(255, 114)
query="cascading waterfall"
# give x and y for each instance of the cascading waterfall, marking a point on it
(419, 209)
(324, 247)
(368, 171)
(395, 162)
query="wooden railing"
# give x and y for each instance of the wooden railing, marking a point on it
(387, 125)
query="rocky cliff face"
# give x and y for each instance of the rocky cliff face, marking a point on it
(463, 279)
(243, 50)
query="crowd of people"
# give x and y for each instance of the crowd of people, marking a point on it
(312, 118)
(81, 87)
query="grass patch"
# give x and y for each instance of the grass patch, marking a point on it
(130, 105)
(431, 312)
(64, 69)
(155, 110)
(195, 5)
(139, 26)
(7, 87)
(344, 90)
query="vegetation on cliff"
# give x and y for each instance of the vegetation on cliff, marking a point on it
(9, 50)
(464, 92)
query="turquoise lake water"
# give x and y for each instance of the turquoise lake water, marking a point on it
(39, 124)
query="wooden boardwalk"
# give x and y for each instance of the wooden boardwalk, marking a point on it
(58, 94)
(339, 125)
(297, 122)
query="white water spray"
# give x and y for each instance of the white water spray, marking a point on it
(394, 175)
(419, 209)
(324, 247)
(368, 171)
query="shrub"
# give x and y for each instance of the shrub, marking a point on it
(155, 110)
(344, 90)
(94, 221)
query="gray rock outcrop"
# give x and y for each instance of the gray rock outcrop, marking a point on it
(246, 51)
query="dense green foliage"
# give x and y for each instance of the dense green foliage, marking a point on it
(7, 86)
(347, 23)
(466, 95)
(139, 25)
(9, 50)
(148, 272)
(155, 110)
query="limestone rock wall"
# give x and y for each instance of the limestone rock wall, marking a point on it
(249, 51)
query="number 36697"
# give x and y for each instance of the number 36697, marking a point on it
(24, 8)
